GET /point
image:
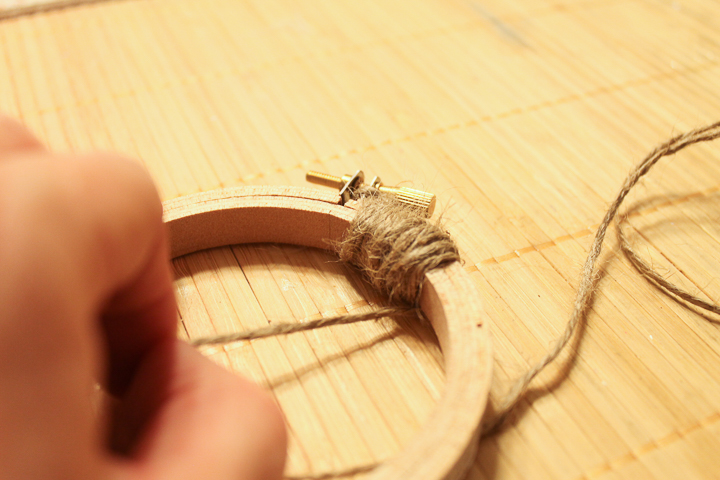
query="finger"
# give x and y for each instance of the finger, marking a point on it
(15, 138)
(206, 422)
(140, 315)
(95, 225)
(128, 261)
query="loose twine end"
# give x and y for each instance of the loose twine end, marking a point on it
(394, 247)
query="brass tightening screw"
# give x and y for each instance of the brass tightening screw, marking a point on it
(423, 201)
(345, 184)
(327, 180)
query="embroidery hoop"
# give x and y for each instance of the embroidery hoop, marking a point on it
(445, 447)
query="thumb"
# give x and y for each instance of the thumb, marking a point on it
(200, 422)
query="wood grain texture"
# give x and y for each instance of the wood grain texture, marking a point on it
(523, 116)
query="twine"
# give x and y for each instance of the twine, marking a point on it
(588, 279)
(287, 328)
(670, 289)
(394, 247)
(43, 7)
(672, 146)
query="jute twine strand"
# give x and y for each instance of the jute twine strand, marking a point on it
(395, 247)
(583, 298)
(35, 8)
(653, 277)
(287, 328)
(701, 135)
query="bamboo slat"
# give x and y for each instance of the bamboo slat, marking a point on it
(522, 116)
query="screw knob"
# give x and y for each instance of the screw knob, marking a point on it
(423, 201)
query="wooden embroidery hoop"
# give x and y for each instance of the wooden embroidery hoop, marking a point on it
(446, 445)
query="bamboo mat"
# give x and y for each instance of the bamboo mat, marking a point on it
(522, 116)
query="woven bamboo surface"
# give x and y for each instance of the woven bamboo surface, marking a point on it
(522, 116)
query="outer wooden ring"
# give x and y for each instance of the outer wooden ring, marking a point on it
(445, 447)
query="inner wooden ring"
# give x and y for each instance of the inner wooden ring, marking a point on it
(446, 445)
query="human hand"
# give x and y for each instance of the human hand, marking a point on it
(86, 297)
